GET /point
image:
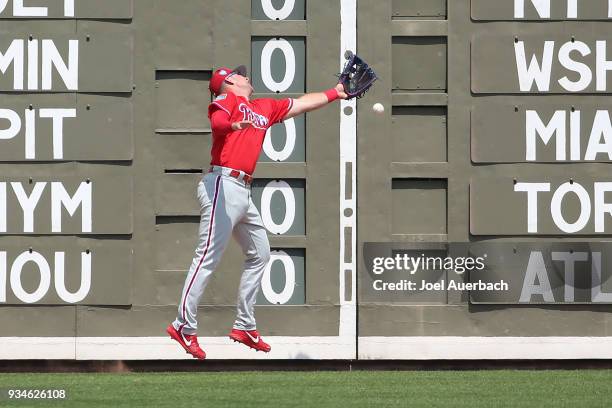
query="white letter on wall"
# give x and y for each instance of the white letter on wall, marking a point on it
(45, 277)
(535, 73)
(541, 6)
(52, 58)
(534, 126)
(536, 269)
(14, 124)
(19, 10)
(585, 207)
(532, 190)
(60, 197)
(14, 55)
(58, 116)
(60, 285)
(601, 128)
(583, 70)
(28, 204)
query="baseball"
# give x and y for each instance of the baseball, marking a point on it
(378, 108)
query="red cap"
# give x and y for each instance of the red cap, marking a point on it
(221, 74)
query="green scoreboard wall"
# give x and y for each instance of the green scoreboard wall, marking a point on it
(476, 90)
(104, 136)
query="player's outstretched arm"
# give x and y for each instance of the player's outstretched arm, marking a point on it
(315, 100)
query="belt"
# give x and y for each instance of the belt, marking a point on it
(237, 174)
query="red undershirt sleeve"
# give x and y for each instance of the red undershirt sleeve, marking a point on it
(220, 122)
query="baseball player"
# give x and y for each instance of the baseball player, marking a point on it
(239, 126)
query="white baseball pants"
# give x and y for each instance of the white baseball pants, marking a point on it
(226, 209)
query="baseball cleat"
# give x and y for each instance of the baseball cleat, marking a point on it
(188, 342)
(250, 338)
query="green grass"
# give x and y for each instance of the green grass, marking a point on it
(498, 388)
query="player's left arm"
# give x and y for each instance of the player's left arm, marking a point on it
(315, 100)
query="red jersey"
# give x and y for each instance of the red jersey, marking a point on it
(240, 149)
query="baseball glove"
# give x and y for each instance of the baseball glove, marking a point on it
(356, 77)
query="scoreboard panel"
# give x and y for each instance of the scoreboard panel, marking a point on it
(499, 111)
(106, 141)
(494, 141)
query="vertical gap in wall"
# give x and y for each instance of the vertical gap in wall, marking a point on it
(348, 241)
(348, 180)
(76, 316)
(348, 285)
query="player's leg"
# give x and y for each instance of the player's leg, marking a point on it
(221, 208)
(252, 237)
